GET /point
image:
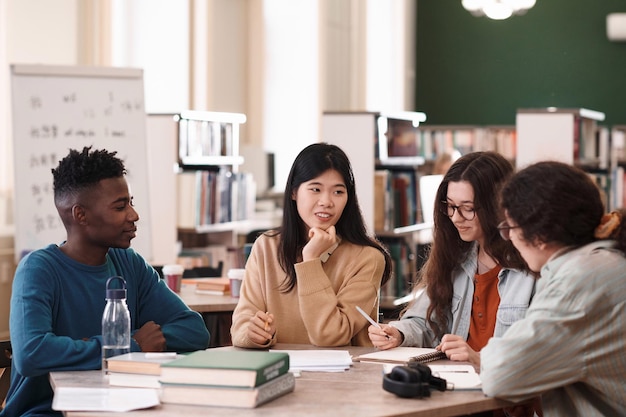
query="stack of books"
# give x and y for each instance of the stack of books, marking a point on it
(138, 369)
(226, 378)
(215, 286)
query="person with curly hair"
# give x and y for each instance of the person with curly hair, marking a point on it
(58, 292)
(571, 347)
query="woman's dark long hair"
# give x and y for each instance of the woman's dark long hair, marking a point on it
(310, 163)
(485, 172)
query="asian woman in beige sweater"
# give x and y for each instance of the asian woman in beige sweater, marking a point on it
(304, 280)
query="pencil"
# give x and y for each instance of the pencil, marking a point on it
(364, 314)
(267, 323)
(372, 322)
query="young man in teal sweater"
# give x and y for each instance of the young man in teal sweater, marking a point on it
(59, 291)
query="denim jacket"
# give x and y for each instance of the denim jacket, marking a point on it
(516, 290)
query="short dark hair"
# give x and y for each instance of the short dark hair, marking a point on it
(81, 170)
(554, 202)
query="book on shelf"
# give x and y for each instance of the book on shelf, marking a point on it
(193, 257)
(227, 396)
(239, 368)
(381, 202)
(403, 355)
(403, 270)
(212, 197)
(187, 194)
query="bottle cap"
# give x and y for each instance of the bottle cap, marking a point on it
(116, 293)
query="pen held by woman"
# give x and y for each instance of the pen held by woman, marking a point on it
(369, 319)
(266, 325)
(385, 337)
(261, 327)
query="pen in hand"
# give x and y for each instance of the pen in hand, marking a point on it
(372, 322)
(266, 327)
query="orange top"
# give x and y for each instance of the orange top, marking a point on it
(484, 308)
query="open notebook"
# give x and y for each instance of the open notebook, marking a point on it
(403, 355)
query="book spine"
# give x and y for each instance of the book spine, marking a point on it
(273, 371)
(287, 383)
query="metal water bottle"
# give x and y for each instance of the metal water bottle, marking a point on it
(115, 322)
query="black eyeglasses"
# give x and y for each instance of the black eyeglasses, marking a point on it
(505, 230)
(466, 212)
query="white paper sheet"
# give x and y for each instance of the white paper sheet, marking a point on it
(321, 360)
(104, 399)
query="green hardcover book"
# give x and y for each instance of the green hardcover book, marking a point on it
(237, 368)
(221, 396)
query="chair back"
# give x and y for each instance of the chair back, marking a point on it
(205, 271)
(5, 369)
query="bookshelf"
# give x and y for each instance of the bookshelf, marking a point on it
(567, 135)
(391, 154)
(216, 200)
(385, 153)
(617, 135)
(438, 139)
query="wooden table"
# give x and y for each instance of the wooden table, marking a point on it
(357, 392)
(216, 310)
(206, 303)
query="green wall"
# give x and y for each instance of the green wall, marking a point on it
(474, 70)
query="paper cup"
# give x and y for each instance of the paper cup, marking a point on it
(173, 275)
(236, 278)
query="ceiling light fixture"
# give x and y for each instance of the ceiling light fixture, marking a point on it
(497, 9)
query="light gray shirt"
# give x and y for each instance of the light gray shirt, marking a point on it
(516, 289)
(571, 346)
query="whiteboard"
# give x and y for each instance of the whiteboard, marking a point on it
(56, 108)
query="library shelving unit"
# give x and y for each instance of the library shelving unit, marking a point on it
(437, 139)
(618, 166)
(566, 135)
(215, 201)
(385, 154)
(569, 135)
(393, 156)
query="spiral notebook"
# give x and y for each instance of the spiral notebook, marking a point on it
(403, 355)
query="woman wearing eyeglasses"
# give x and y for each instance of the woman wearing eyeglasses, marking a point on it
(474, 285)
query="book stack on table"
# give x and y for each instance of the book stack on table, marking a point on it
(138, 369)
(243, 379)
(214, 286)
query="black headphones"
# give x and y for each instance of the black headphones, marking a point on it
(414, 380)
